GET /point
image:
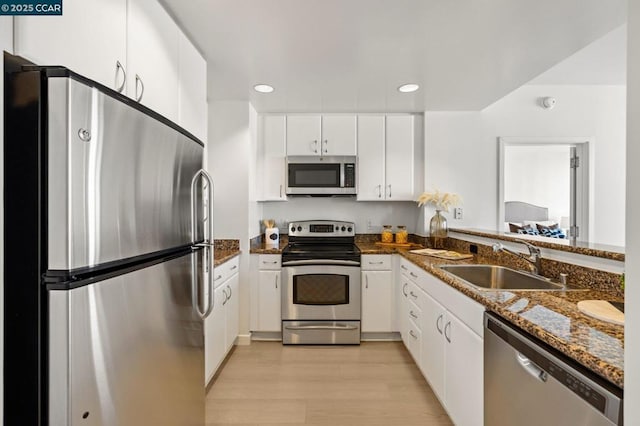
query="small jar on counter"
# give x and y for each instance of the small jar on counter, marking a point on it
(402, 236)
(387, 234)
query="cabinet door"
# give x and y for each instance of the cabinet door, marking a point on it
(303, 135)
(232, 308)
(272, 158)
(433, 349)
(152, 57)
(269, 314)
(371, 186)
(192, 88)
(403, 306)
(377, 296)
(414, 340)
(89, 38)
(338, 135)
(463, 373)
(399, 158)
(215, 334)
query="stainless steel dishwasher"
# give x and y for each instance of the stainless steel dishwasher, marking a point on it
(528, 384)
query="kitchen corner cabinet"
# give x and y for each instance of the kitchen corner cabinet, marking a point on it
(152, 57)
(377, 293)
(89, 38)
(271, 158)
(192, 88)
(389, 157)
(222, 325)
(265, 293)
(315, 135)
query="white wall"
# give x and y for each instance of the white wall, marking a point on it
(461, 149)
(6, 43)
(361, 213)
(228, 160)
(632, 264)
(539, 175)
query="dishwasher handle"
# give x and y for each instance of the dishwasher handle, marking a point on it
(531, 368)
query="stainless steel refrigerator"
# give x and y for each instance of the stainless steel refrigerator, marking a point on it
(108, 224)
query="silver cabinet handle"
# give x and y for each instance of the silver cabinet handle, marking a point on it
(404, 287)
(379, 191)
(119, 68)
(439, 323)
(413, 334)
(376, 263)
(413, 275)
(280, 190)
(139, 97)
(389, 191)
(413, 315)
(326, 142)
(207, 245)
(446, 334)
(366, 279)
(404, 267)
(415, 296)
(277, 276)
(226, 296)
(315, 146)
(269, 263)
(230, 292)
(217, 277)
(234, 267)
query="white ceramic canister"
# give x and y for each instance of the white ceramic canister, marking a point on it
(272, 237)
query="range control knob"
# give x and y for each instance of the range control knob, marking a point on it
(293, 229)
(349, 229)
(343, 228)
(299, 228)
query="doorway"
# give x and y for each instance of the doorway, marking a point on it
(544, 181)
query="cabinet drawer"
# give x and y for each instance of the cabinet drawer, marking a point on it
(223, 272)
(416, 295)
(269, 261)
(414, 341)
(415, 314)
(413, 272)
(376, 262)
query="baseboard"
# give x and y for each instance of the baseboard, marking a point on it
(380, 337)
(243, 339)
(270, 336)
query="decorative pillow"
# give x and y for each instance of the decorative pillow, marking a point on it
(526, 229)
(535, 223)
(552, 231)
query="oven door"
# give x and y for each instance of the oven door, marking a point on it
(321, 292)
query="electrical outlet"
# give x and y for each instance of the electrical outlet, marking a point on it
(457, 213)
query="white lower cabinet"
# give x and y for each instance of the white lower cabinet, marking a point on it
(444, 336)
(269, 314)
(377, 294)
(222, 325)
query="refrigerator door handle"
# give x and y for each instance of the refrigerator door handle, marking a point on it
(207, 245)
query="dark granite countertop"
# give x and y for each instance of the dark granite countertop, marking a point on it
(551, 316)
(258, 246)
(224, 250)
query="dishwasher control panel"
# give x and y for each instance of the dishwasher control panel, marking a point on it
(578, 386)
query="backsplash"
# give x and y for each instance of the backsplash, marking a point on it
(578, 276)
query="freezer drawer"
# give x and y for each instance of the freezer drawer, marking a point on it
(128, 350)
(526, 385)
(118, 180)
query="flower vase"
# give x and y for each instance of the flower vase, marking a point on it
(438, 230)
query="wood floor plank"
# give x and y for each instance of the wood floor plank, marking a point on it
(376, 383)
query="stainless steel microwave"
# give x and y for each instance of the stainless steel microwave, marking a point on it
(321, 175)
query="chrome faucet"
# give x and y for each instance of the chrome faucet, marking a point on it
(534, 257)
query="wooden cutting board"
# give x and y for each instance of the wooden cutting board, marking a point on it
(405, 245)
(442, 254)
(602, 310)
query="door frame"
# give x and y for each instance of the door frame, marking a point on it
(583, 196)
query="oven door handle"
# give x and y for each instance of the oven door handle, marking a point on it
(321, 262)
(320, 327)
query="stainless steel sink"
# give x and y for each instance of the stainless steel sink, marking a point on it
(490, 277)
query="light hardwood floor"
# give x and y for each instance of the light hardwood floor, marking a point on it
(371, 384)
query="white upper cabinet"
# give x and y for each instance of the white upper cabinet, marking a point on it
(192, 88)
(321, 135)
(152, 57)
(389, 158)
(399, 158)
(338, 135)
(271, 167)
(303, 134)
(89, 38)
(371, 158)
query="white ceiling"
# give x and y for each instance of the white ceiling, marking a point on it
(351, 55)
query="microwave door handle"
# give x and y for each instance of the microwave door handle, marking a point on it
(342, 175)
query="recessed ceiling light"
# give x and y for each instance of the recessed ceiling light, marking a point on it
(263, 88)
(408, 88)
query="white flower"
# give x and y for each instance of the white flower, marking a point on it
(440, 200)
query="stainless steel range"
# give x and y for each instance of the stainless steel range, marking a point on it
(321, 299)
